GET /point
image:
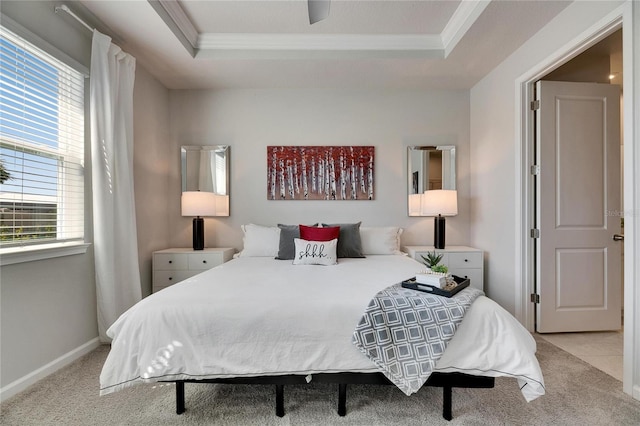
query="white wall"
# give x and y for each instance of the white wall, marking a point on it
(250, 120)
(493, 146)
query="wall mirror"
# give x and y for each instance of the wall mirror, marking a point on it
(430, 167)
(205, 168)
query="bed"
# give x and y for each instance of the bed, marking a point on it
(256, 319)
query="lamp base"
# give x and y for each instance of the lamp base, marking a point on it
(198, 233)
(438, 232)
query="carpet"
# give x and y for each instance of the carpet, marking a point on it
(577, 394)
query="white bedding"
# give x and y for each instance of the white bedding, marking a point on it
(256, 316)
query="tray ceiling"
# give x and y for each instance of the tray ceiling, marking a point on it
(363, 44)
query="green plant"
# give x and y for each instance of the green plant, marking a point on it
(440, 268)
(432, 259)
(4, 173)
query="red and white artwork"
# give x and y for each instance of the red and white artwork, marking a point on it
(320, 172)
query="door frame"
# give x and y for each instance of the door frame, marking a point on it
(525, 126)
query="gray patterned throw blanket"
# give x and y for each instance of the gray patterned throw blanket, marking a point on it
(405, 332)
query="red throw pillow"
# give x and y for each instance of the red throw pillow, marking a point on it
(311, 233)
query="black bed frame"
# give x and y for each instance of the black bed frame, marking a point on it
(447, 381)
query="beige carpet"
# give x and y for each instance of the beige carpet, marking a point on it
(577, 394)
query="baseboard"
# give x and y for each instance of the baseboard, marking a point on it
(24, 382)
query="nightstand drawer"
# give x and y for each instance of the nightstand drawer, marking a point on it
(465, 260)
(176, 264)
(203, 261)
(167, 278)
(170, 261)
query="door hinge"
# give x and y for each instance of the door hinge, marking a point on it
(535, 169)
(535, 105)
(535, 298)
(535, 233)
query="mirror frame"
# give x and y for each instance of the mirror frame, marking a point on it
(189, 159)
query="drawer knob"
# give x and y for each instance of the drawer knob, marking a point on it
(466, 260)
(204, 261)
(171, 261)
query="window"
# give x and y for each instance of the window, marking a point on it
(41, 146)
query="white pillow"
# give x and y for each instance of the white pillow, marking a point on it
(315, 252)
(380, 240)
(260, 241)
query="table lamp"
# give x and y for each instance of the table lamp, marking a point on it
(439, 203)
(199, 204)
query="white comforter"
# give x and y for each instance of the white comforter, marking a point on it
(257, 316)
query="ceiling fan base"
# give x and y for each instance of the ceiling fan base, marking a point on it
(318, 10)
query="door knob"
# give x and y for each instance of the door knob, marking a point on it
(618, 237)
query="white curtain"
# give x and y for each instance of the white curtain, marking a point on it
(114, 225)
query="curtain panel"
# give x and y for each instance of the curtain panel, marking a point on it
(114, 226)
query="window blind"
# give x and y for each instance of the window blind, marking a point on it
(41, 146)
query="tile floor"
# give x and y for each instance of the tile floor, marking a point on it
(602, 349)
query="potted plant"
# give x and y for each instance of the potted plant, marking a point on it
(432, 260)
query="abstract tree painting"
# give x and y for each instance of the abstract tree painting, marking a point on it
(320, 172)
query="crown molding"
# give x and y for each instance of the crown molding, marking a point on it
(270, 45)
(178, 22)
(424, 45)
(462, 19)
(181, 19)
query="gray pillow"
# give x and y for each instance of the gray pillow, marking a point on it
(287, 248)
(349, 242)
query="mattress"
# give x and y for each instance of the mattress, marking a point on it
(256, 316)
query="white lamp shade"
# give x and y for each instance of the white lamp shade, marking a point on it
(197, 203)
(440, 202)
(222, 205)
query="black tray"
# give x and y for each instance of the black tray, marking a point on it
(413, 285)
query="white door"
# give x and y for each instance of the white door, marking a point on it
(578, 203)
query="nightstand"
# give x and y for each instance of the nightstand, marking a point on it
(176, 264)
(466, 262)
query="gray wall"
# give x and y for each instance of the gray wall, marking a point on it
(151, 159)
(48, 307)
(493, 146)
(495, 171)
(250, 120)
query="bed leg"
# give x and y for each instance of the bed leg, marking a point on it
(446, 402)
(342, 399)
(179, 397)
(280, 400)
